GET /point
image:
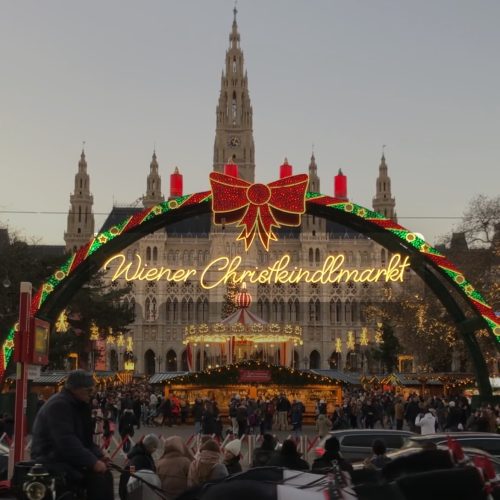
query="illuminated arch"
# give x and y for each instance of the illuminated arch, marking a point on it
(436, 271)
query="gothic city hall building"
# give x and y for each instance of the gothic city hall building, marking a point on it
(330, 319)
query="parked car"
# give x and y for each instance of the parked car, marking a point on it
(483, 440)
(356, 444)
(405, 452)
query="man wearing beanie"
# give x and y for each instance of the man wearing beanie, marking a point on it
(232, 456)
(332, 452)
(62, 438)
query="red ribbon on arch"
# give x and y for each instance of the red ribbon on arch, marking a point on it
(258, 207)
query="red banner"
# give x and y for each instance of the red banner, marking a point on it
(255, 376)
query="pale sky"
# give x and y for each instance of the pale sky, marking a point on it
(347, 76)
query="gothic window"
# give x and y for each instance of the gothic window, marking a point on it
(148, 253)
(382, 255)
(333, 310)
(113, 360)
(190, 310)
(184, 310)
(275, 311)
(312, 310)
(317, 256)
(168, 310)
(267, 310)
(348, 312)
(338, 311)
(155, 253)
(281, 310)
(79, 214)
(175, 310)
(260, 308)
(234, 65)
(185, 257)
(310, 256)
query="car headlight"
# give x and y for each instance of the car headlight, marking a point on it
(35, 490)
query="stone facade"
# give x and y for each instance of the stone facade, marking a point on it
(325, 312)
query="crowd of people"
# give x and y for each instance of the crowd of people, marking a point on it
(72, 430)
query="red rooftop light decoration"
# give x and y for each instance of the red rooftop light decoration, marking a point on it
(286, 170)
(340, 186)
(231, 169)
(176, 182)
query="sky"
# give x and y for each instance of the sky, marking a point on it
(422, 78)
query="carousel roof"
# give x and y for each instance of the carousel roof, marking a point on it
(244, 317)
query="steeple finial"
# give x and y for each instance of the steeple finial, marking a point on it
(383, 152)
(234, 37)
(235, 11)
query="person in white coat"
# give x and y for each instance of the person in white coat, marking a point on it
(426, 421)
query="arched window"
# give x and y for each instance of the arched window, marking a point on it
(168, 306)
(348, 312)
(234, 108)
(171, 361)
(275, 311)
(155, 253)
(281, 310)
(149, 362)
(334, 361)
(338, 311)
(296, 360)
(148, 253)
(260, 308)
(79, 214)
(175, 310)
(184, 310)
(317, 310)
(184, 361)
(333, 310)
(312, 310)
(267, 310)
(317, 256)
(311, 256)
(205, 310)
(314, 360)
(190, 309)
(113, 360)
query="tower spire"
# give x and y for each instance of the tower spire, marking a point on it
(383, 201)
(234, 134)
(80, 224)
(153, 185)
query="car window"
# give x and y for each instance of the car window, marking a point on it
(487, 444)
(366, 440)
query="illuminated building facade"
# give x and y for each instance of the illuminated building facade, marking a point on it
(331, 316)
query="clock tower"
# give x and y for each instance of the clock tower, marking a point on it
(233, 133)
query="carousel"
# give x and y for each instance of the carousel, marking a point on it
(242, 336)
(245, 355)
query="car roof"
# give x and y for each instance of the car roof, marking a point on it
(467, 449)
(444, 435)
(372, 431)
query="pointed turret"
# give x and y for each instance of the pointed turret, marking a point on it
(383, 202)
(314, 183)
(80, 224)
(234, 119)
(153, 186)
(310, 223)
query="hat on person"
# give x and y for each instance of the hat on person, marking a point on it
(233, 447)
(210, 445)
(451, 403)
(332, 445)
(78, 379)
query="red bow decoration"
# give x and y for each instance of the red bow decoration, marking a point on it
(455, 448)
(258, 207)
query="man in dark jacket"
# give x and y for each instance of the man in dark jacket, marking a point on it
(288, 457)
(62, 438)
